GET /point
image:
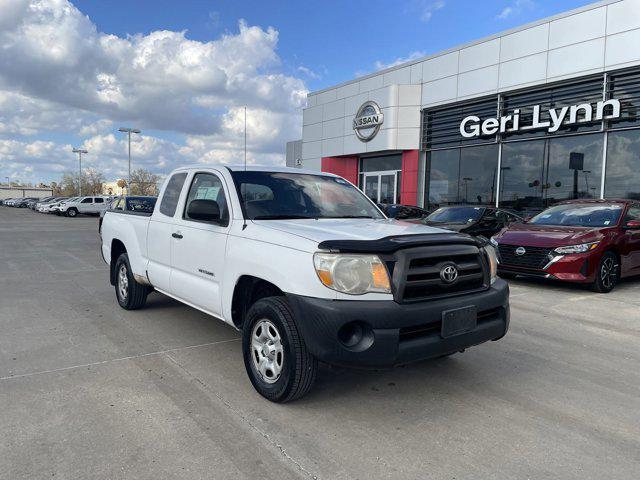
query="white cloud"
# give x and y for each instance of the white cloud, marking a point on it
(60, 74)
(379, 65)
(428, 9)
(515, 8)
(308, 72)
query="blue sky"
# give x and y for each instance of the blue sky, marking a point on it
(182, 71)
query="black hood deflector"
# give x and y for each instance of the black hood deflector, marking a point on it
(395, 243)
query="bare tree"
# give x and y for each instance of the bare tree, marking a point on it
(143, 182)
(92, 181)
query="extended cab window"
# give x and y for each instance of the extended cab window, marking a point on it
(206, 186)
(172, 194)
(99, 200)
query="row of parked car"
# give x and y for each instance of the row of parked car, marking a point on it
(86, 205)
(69, 206)
(595, 242)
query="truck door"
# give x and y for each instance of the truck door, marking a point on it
(198, 251)
(85, 205)
(159, 234)
(98, 204)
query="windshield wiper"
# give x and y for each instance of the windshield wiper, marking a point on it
(282, 217)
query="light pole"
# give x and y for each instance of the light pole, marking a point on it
(7, 181)
(129, 131)
(79, 152)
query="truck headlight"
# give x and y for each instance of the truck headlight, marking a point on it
(581, 248)
(352, 274)
(493, 262)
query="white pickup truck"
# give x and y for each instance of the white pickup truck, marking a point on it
(309, 269)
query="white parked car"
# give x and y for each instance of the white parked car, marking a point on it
(91, 205)
(309, 269)
(45, 207)
(55, 207)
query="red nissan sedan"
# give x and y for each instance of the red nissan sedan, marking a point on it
(595, 242)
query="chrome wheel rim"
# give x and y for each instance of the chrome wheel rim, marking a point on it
(608, 273)
(267, 352)
(123, 282)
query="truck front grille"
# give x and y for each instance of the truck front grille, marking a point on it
(416, 275)
(533, 257)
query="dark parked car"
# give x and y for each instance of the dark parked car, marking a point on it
(133, 203)
(23, 202)
(478, 221)
(403, 212)
(595, 242)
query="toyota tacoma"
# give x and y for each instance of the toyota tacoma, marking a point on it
(308, 269)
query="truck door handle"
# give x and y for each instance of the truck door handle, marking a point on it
(176, 235)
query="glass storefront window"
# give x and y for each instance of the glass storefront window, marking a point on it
(623, 165)
(381, 164)
(478, 169)
(538, 173)
(463, 176)
(443, 178)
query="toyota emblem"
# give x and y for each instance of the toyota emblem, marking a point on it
(449, 273)
(520, 251)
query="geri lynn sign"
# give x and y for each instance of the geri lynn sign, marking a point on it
(473, 126)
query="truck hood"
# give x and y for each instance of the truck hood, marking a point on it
(547, 235)
(346, 228)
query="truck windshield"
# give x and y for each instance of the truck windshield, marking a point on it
(580, 215)
(276, 196)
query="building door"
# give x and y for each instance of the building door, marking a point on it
(381, 187)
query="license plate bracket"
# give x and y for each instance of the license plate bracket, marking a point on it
(459, 321)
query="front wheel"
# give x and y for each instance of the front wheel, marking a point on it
(276, 358)
(607, 274)
(131, 295)
(72, 212)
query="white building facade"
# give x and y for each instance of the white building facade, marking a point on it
(522, 119)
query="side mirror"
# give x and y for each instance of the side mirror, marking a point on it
(633, 225)
(204, 210)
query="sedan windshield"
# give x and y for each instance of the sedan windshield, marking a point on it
(579, 215)
(274, 195)
(456, 215)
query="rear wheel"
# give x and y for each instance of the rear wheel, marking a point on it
(131, 295)
(608, 273)
(72, 212)
(276, 358)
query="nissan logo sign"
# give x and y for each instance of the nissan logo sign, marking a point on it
(368, 121)
(449, 273)
(520, 251)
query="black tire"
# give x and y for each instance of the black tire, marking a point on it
(72, 212)
(607, 274)
(298, 367)
(131, 295)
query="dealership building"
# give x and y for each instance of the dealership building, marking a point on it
(521, 119)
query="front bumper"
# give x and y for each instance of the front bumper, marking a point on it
(578, 268)
(400, 333)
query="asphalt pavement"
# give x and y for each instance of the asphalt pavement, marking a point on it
(88, 390)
